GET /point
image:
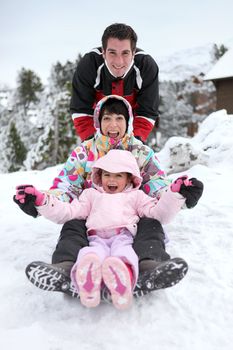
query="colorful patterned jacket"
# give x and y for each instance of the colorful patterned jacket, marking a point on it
(76, 174)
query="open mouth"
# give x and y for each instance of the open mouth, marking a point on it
(112, 188)
(113, 135)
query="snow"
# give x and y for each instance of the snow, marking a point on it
(183, 64)
(196, 314)
(223, 68)
(212, 145)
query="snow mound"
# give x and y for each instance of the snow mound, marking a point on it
(212, 145)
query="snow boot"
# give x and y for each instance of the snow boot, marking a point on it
(147, 265)
(117, 278)
(52, 277)
(56, 277)
(88, 277)
(163, 275)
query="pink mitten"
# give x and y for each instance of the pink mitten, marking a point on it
(22, 192)
(183, 180)
(190, 189)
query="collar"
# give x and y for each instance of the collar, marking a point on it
(130, 66)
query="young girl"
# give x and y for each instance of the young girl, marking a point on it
(112, 209)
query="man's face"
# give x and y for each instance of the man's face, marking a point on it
(118, 56)
(113, 125)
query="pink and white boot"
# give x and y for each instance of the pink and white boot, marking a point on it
(88, 278)
(117, 278)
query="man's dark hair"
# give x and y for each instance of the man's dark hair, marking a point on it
(112, 105)
(119, 31)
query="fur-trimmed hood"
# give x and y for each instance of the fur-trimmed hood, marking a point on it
(100, 105)
(117, 161)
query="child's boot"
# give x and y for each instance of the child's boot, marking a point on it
(116, 277)
(88, 278)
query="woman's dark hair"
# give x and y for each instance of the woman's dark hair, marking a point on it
(119, 31)
(112, 105)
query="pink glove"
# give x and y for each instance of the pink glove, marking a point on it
(22, 191)
(183, 180)
(190, 189)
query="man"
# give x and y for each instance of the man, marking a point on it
(118, 68)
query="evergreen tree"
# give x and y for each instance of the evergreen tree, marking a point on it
(57, 131)
(4, 127)
(50, 135)
(218, 51)
(64, 131)
(64, 137)
(61, 75)
(15, 151)
(181, 105)
(40, 155)
(28, 87)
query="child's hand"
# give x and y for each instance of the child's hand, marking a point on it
(27, 197)
(190, 189)
(24, 191)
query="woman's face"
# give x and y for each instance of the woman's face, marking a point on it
(113, 125)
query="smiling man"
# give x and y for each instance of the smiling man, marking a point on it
(119, 68)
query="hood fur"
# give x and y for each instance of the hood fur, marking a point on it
(100, 105)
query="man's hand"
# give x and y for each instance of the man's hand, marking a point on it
(190, 189)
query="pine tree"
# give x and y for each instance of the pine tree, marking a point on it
(50, 136)
(64, 131)
(218, 51)
(28, 87)
(60, 94)
(58, 133)
(16, 151)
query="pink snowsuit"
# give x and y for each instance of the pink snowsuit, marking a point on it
(111, 219)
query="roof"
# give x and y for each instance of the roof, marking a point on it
(223, 68)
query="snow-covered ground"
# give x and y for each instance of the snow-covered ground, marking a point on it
(196, 314)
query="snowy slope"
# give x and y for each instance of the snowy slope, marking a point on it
(196, 314)
(223, 68)
(185, 63)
